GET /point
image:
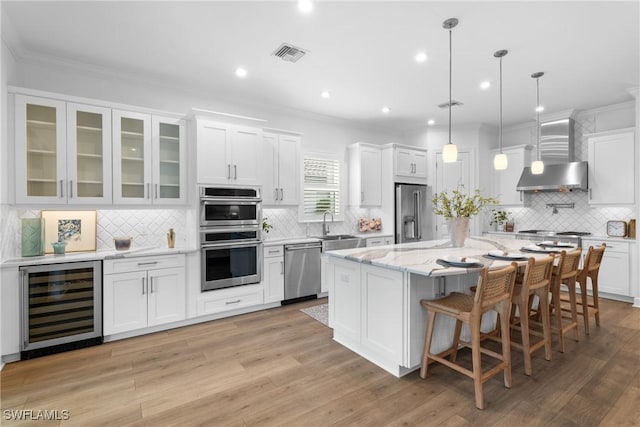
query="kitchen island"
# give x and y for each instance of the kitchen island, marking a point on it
(375, 293)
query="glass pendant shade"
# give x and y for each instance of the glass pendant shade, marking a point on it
(537, 167)
(500, 161)
(449, 153)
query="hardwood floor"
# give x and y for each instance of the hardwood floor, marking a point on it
(280, 367)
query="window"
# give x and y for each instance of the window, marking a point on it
(321, 188)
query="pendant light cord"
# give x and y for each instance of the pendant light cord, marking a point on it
(450, 62)
(538, 114)
(501, 105)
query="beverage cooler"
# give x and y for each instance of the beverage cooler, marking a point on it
(61, 307)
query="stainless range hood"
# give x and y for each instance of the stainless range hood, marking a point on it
(561, 173)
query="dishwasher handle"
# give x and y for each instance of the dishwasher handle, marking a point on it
(303, 247)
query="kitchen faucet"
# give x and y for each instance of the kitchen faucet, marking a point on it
(325, 229)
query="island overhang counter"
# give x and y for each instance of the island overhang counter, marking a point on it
(375, 293)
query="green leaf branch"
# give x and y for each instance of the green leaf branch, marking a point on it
(460, 204)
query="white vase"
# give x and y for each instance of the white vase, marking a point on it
(458, 230)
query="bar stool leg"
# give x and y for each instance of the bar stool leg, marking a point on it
(505, 328)
(543, 301)
(477, 366)
(526, 342)
(594, 291)
(574, 311)
(557, 310)
(456, 340)
(585, 305)
(428, 335)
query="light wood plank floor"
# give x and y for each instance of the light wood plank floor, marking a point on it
(280, 367)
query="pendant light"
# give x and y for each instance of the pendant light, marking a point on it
(537, 167)
(500, 161)
(449, 151)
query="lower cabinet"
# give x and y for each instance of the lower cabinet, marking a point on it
(379, 241)
(614, 274)
(273, 274)
(228, 299)
(143, 292)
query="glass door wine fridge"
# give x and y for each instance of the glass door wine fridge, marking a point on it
(61, 307)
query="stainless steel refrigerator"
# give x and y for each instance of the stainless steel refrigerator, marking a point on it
(413, 213)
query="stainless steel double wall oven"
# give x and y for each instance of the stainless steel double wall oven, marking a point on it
(230, 239)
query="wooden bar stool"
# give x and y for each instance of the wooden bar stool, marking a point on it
(565, 274)
(536, 281)
(493, 293)
(590, 270)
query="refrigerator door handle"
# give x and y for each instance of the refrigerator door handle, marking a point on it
(418, 214)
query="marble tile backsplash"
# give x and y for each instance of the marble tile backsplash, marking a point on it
(285, 223)
(148, 227)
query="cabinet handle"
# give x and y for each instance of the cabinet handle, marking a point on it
(281, 267)
(151, 285)
(233, 302)
(140, 264)
(520, 195)
(61, 188)
(156, 189)
(70, 188)
(235, 171)
(274, 251)
(276, 194)
(148, 190)
(143, 286)
(281, 194)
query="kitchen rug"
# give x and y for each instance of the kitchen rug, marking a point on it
(318, 312)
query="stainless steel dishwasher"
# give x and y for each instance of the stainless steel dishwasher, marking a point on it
(301, 270)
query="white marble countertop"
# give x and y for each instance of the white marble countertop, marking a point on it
(421, 257)
(95, 255)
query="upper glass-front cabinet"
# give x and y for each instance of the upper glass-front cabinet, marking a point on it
(169, 152)
(62, 152)
(149, 154)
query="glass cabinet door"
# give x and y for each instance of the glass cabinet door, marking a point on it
(169, 157)
(131, 158)
(40, 150)
(88, 154)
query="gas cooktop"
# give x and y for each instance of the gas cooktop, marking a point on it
(555, 233)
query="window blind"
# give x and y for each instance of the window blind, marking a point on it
(321, 186)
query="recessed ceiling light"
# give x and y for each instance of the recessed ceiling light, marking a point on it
(305, 6)
(386, 110)
(421, 57)
(241, 72)
(431, 122)
(485, 85)
(325, 94)
(539, 109)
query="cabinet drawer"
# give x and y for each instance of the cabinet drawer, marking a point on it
(124, 265)
(273, 251)
(220, 301)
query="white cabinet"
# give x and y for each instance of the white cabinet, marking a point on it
(228, 154)
(612, 168)
(222, 300)
(365, 178)
(149, 159)
(63, 152)
(379, 241)
(273, 273)
(281, 169)
(614, 274)
(410, 165)
(142, 292)
(505, 181)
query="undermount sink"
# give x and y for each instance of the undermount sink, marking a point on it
(333, 242)
(337, 237)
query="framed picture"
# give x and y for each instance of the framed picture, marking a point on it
(77, 228)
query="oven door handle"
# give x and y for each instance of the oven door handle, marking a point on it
(242, 244)
(204, 201)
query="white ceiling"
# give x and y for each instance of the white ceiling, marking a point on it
(362, 52)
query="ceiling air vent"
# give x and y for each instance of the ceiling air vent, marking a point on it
(289, 52)
(454, 103)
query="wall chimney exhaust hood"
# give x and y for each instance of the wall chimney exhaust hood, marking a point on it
(561, 172)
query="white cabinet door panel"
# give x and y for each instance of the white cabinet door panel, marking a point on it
(125, 302)
(166, 296)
